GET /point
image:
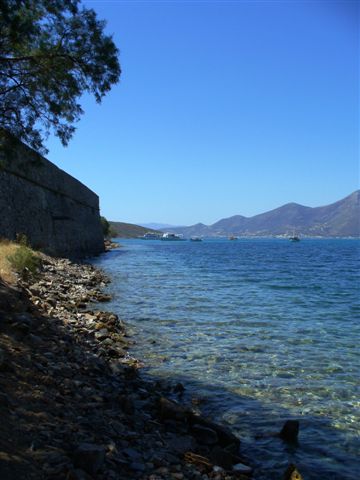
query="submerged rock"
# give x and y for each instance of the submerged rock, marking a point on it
(172, 410)
(221, 457)
(204, 435)
(73, 369)
(225, 435)
(290, 431)
(292, 473)
(242, 469)
(179, 388)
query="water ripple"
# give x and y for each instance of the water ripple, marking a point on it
(265, 329)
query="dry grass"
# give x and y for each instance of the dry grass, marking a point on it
(9, 253)
(6, 271)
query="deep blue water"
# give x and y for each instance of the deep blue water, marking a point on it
(263, 330)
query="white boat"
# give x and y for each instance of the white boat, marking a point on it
(196, 239)
(171, 237)
(151, 236)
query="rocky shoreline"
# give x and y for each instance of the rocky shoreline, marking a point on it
(72, 403)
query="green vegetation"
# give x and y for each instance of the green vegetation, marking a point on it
(51, 52)
(105, 226)
(24, 261)
(108, 231)
(18, 257)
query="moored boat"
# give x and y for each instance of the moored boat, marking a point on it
(196, 239)
(151, 236)
(294, 238)
(171, 237)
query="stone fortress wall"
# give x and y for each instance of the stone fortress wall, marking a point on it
(57, 213)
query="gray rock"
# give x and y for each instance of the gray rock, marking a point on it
(89, 457)
(4, 400)
(2, 359)
(204, 435)
(137, 466)
(181, 444)
(103, 297)
(103, 333)
(24, 318)
(78, 474)
(242, 469)
(131, 453)
(35, 339)
(172, 410)
(225, 435)
(221, 457)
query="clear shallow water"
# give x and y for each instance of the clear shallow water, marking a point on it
(264, 329)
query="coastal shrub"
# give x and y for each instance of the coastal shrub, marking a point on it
(105, 226)
(24, 261)
(108, 230)
(22, 239)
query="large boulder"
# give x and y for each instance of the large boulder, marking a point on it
(225, 435)
(204, 435)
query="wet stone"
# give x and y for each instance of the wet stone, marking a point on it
(242, 469)
(290, 431)
(204, 435)
(181, 444)
(171, 410)
(221, 457)
(292, 473)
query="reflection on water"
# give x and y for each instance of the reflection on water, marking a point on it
(267, 329)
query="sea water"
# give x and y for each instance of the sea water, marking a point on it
(262, 330)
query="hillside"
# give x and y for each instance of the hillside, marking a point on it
(340, 219)
(128, 230)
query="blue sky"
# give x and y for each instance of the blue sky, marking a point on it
(223, 108)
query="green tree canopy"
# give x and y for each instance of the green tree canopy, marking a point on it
(51, 52)
(107, 228)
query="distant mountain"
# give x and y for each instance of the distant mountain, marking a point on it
(128, 230)
(340, 219)
(158, 226)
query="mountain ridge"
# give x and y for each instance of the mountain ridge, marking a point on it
(339, 219)
(129, 230)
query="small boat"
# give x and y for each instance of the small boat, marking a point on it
(294, 238)
(151, 236)
(232, 237)
(196, 239)
(171, 237)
